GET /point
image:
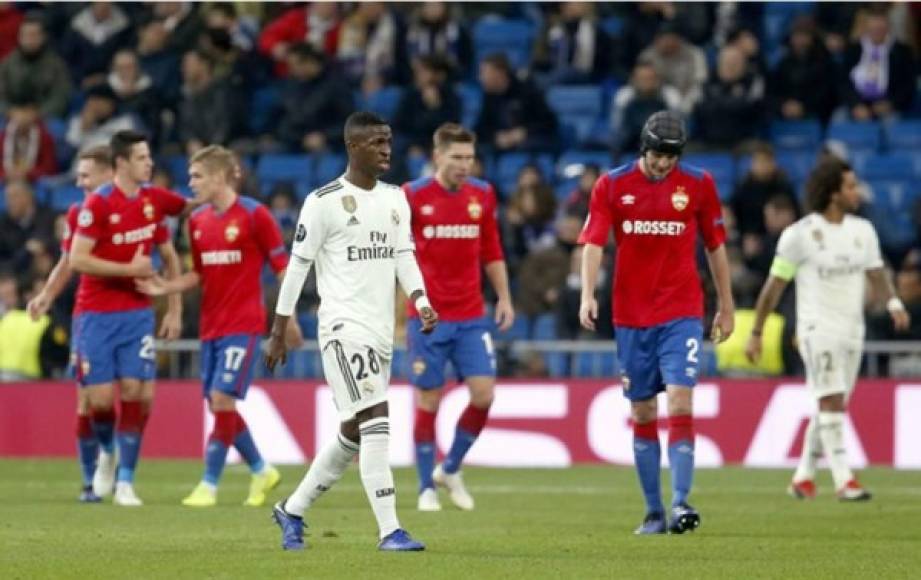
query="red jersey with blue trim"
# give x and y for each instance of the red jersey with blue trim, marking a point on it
(119, 225)
(229, 250)
(456, 233)
(655, 227)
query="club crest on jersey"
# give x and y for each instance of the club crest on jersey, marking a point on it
(680, 199)
(349, 203)
(395, 217)
(231, 231)
(149, 212)
(115, 218)
(474, 209)
(427, 209)
(418, 366)
(625, 381)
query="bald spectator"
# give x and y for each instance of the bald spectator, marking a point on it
(680, 64)
(34, 66)
(730, 110)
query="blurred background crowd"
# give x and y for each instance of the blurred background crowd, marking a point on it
(557, 93)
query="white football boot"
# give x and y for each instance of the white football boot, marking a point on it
(454, 483)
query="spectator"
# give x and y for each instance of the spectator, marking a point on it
(209, 113)
(371, 45)
(26, 146)
(181, 22)
(317, 25)
(747, 41)
(28, 349)
(434, 30)
(285, 209)
(36, 67)
(764, 181)
(577, 202)
(803, 83)
(880, 72)
(97, 121)
(573, 48)
(528, 223)
(634, 103)
(134, 90)
(430, 103)
(779, 212)
(95, 34)
(315, 103)
(10, 20)
(24, 228)
(243, 31)
(680, 64)
(514, 114)
(879, 321)
(243, 68)
(730, 110)
(642, 21)
(570, 296)
(543, 272)
(158, 61)
(836, 19)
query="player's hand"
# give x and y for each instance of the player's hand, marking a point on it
(294, 337)
(38, 306)
(753, 349)
(723, 324)
(429, 319)
(171, 326)
(505, 315)
(140, 265)
(153, 286)
(588, 313)
(901, 319)
(276, 351)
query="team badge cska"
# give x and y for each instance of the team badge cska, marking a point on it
(680, 199)
(418, 366)
(395, 217)
(149, 212)
(231, 232)
(474, 209)
(349, 203)
(625, 380)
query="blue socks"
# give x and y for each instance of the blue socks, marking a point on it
(647, 454)
(681, 456)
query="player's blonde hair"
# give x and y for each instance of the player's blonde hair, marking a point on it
(100, 155)
(217, 159)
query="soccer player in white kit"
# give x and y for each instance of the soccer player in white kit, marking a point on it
(356, 230)
(830, 253)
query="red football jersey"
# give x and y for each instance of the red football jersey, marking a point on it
(229, 250)
(119, 225)
(655, 230)
(455, 234)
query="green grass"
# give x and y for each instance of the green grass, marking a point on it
(574, 523)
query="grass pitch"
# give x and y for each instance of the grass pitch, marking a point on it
(574, 523)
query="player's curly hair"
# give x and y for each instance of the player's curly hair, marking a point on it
(825, 181)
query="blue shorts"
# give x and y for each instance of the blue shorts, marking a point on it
(654, 357)
(228, 363)
(467, 345)
(113, 345)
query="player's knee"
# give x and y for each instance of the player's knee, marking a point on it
(220, 402)
(643, 412)
(429, 400)
(349, 430)
(482, 399)
(833, 403)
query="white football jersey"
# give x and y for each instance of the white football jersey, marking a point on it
(353, 236)
(831, 261)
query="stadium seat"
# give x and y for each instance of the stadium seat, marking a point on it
(509, 165)
(796, 134)
(904, 134)
(264, 102)
(416, 165)
(613, 26)
(596, 364)
(893, 211)
(720, 165)
(518, 331)
(578, 108)
(309, 324)
(328, 166)
(63, 197)
(557, 363)
(514, 38)
(886, 166)
(178, 168)
(471, 97)
(275, 167)
(544, 327)
(796, 164)
(384, 101)
(865, 136)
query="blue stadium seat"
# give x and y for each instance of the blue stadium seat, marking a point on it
(415, 164)
(865, 136)
(514, 38)
(557, 363)
(904, 134)
(518, 331)
(893, 211)
(720, 165)
(262, 106)
(544, 327)
(384, 102)
(2, 196)
(797, 164)
(613, 26)
(329, 166)
(63, 197)
(471, 97)
(596, 364)
(275, 167)
(509, 165)
(796, 134)
(178, 168)
(63, 151)
(885, 166)
(578, 108)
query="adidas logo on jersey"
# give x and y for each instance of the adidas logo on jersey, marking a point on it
(353, 221)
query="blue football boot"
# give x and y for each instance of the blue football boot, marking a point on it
(400, 541)
(292, 528)
(654, 523)
(87, 495)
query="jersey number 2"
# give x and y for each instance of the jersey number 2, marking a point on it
(693, 345)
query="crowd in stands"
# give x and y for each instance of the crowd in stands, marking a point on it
(557, 93)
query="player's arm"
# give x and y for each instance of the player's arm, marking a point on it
(724, 320)
(82, 260)
(882, 286)
(781, 274)
(57, 280)
(591, 264)
(594, 237)
(408, 274)
(171, 327)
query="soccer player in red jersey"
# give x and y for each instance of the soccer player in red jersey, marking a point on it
(656, 207)
(232, 238)
(114, 323)
(94, 168)
(454, 226)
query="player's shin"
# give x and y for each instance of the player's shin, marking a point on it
(647, 454)
(424, 439)
(376, 476)
(129, 438)
(812, 452)
(87, 448)
(471, 422)
(327, 468)
(831, 431)
(681, 456)
(244, 443)
(102, 422)
(219, 442)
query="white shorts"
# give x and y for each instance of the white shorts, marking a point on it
(357, 374)
(832, 363)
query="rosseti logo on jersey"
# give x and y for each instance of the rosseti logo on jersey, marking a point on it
(134, 236)
(654, 227)
(376, 251)
(452, 231)
(221, 257)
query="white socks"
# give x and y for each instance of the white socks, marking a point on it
(326, 469)
(812, 452)
(374, 464)
(831, 431)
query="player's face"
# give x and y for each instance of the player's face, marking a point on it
(658, 165)
(91, 175)
(371, 149)
(455, 162)
(204, 183)
(140, 163)
(849, 198)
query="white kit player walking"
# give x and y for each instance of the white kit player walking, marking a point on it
(356, 230)
(830, 253)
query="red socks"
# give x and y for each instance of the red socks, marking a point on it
(132, 417)
(84, 427)
(226, 426)
(424, 429)
(648, 431)
(680, 428)
(473, 419)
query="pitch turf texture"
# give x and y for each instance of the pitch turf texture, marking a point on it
(574, 523)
